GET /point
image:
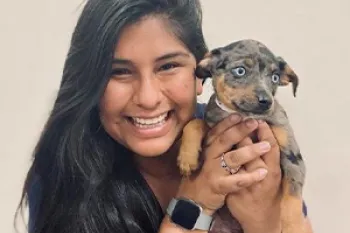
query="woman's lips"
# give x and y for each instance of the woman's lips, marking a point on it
(151, 127)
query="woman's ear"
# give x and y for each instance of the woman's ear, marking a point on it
(199, 86)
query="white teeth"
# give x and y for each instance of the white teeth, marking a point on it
(150, 121)
(144, 126)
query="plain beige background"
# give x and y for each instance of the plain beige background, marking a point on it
(313, 36)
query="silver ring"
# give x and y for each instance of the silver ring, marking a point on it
(227, 168)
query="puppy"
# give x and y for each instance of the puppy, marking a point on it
(245, 76)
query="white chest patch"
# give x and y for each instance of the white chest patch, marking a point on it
(223, 106)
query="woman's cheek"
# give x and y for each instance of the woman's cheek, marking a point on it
(115, 97)
(183, 87)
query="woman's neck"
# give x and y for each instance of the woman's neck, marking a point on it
(160, 167)
(161, 174)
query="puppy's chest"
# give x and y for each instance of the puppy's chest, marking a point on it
(213, 113)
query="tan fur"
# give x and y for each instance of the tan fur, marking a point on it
(249, 62)
(281, 135)
(193, 134)
(206, 59)
(286, 79)
(291, 211)
(226, 93)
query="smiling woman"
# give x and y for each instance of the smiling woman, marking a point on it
(106, 160)
(151, 94)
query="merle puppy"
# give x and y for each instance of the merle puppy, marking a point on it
(245, 76)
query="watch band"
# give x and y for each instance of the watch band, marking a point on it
(204, 221)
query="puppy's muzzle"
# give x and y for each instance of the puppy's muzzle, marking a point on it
(264, 101)
(260, 102)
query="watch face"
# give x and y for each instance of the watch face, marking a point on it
(185, 214)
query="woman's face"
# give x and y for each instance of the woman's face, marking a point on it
(152, 92)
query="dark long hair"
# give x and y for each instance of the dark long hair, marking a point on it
(82, 179)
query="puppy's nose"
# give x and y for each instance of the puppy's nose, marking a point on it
(264, 100)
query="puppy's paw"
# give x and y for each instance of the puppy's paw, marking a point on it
(188, 161)
(188, 158)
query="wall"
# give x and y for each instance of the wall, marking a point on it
(313, 36)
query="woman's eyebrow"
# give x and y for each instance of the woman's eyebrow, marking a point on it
(121, 61)
(172, 55)
(163, 57)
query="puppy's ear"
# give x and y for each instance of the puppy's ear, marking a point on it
(210, 62)
(287, 75)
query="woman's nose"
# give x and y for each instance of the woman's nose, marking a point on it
(147, 94)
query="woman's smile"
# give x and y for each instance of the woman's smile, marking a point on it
(151, 126)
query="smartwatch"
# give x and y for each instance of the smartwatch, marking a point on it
(189, 215)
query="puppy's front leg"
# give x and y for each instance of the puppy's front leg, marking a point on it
(191, 146)
(293, 168)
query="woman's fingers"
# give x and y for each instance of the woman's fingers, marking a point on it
(221, 127)
(240, 180)
(214, 180)
(230, 137)
(246, 154)
(265, 133)
(257, 162)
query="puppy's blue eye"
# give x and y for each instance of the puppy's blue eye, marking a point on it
(239, 71)
(275, 78)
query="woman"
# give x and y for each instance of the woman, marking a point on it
(106, 160)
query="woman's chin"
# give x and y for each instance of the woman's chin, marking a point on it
(152, 148)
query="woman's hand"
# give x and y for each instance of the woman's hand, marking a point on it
(210, 185)
(257, 207)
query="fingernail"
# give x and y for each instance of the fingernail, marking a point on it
(251, 123)
(262, 173)
(264, 146)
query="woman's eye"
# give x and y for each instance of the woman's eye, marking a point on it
(120, 71)
(168, 66)
(239, 71)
